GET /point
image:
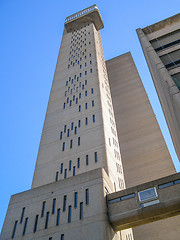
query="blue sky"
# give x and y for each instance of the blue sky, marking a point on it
(30, 38)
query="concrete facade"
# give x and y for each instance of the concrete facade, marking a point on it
(161, 46)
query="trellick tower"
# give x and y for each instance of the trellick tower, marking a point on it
(79, 158)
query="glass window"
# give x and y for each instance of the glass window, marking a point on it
(82, 86)
(70, 165)
(14, 229)
(57, 173)
(85, 93)
(35, 224)
(81, 211)
(95, 157)
(87, 196)
(79, 95)
(68, 132)
(53, 205)
(64, 203)
(78, 163)
(79, 108)
(72, 125)
(71, 143)
(70, 103)
(64, 106)
(62, 236)
(79, 123)
(86, 121)
(65, 173)
(25, 226)
(75, 199)
(85, 105)
(93, 118)
(64, 128)
(74, 171)
(87, 160)
(69, 214)
(91, 70)
(22, 214)
(85, 72)
(63, 146)
(92, 90)
(61, 168)
(147, 194)
(92, 103)
(78, 141)
(43, 209)
(58, 217)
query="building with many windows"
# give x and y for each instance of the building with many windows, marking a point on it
(94, 107)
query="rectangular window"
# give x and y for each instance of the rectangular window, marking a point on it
(22, 214)
(61, 134)
(85, 93)
(25, 226)
(85, 72)
(65, 173)
(85, 105)
(47, 220)
(91, 70)
(90, 54)
(57, 173)
(64, 128)
(43, 209)
(64, 106)
(79, 95)
(83, 87)
(61, 168)
(63, 146)
(85, 82)
(64, 203)
(75, 130)
(80, 75)
(95, 157)
(72, 125)
(76, 100)
(36, 222)
(70, 103)
(79, 141)
(66, 83)
(87, 160)
(93, 118)
(81, 211)
(62, 236)
(92, 103)
(69, 214)
(74, 171)
(90, 62)
(14, 229)
(58, 217)
(71, 143)
(73, 97)
(75, 199)
(67, 100)
(87, 196)
(92, 90)
(70, 165)
(86, 121)
(78, 163)
(53, 205)
(79, 123)
(79, 108)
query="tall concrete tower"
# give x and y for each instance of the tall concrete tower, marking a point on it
(79, 160)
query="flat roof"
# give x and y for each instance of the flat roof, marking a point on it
(90, 14)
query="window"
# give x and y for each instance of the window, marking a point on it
(70, 165)
(90, 62)
(64, 203)
(83, 87)
(57, 173)
(85, 105)
(92, 90)
(147, 194)
(81, 211)
(79, 141)
(70, 103)
(64, 128)
(78, 163)
(85, 82)
(25, 226)
(61, 134)
(63, 146)
(85, 72)
(80, 66)
(79, 123)
(87, 196)
(85, 64)
(47, 220)
(68, 132)
(75, 199)
(87, 160)
(71, 143)
(64, 106)
(65, 93)
(85, 93)
(73, 97)
(43, 209)
(58, 217)
(65, 173)
(61, 168)
(79, 108)
(62, 236)
(69, 214)
(89, 42)
(74, 171)
(92, 103)
(14, 229)
(79, 95)
(53, 205)
(35, 224)
(22, 214)
(90, 54)
(66, 83)
(86, 121)
(72, 125)
(76, 100)
(93, 118)
(91, 70)
(80, 75)
(95, 157)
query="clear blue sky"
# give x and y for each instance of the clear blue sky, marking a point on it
(30, 38)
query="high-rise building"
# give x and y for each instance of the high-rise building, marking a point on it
(161, 46)
(79, 159)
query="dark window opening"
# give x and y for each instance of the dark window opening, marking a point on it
(53, 205)
(25, 226)
(75, 199)
(47, 220)
(87, 196)
(58, 217)
(81, 211)
(69, 214)
(43, 209)
(22, 214)
(64, 203)
(36, 222)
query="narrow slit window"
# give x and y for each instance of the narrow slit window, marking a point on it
(74, 171)
(68, 131)
(65, 173)
(83, 87)
(79, 108)
(70, 103)
(93, 118)
(91, 70)
(25, 226)
(85, 105)
(63, 146)
(64, 106)
(61, 168)
(86, 121)
(85, 82)
(87, 196)
(81, 211)
(92, 103)
(72, 125)
(61, 134)
(62, 236)
(92, 90)
(87, 160)
(43, 209)
(79, 141)
(78, 163)
(64, 203)
(70, 165)
(76, 100)
(75, 199)
(85, 93)
(69, 214)
(22, 215)
(65, 128)
(85, 72)
(14, 229)
(71, 143)
(75, 130)
(57, 173)
(58, 217)
(79, 123)
(95, 157)
(47, 220)
(36, 223)
(79, 95)
(53, 205)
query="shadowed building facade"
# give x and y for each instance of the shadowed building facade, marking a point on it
(79, 159)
